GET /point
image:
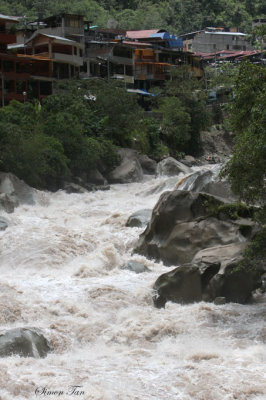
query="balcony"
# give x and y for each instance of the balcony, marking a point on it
(68, 58)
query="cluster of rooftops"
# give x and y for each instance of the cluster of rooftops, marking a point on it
(66, 46)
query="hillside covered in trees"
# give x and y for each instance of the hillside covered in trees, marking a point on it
(177, 16)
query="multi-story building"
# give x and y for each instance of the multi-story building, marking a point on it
(33, 58)
(139, 58)
(212, 40)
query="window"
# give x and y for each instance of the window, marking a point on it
(227, 47)
(214, 46)
(75, 51)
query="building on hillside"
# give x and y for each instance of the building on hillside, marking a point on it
(159, 37)
(212, 40)
(14, 72)
(140, 64)
(69, 26)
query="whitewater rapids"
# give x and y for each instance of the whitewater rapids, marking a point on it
(61, 271)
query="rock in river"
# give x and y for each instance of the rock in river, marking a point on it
(25, 342)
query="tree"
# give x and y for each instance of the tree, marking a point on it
(247, 168)
(191, 97)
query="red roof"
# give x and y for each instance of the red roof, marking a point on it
(141, 34)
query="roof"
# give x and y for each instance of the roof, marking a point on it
(142, 34)
(57, 38)
(15, 46)
(225, 33)
(9, 18)
(136, 44)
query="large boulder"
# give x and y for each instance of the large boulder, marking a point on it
(182, 224)
(208, 181)
(129, 169)
(170, 167)
(232, 283)
(25, 342)
(148, 165)
(140, 218)
(212, 276)
(181, 285)
(14, 192)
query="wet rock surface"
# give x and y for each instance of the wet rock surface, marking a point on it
(181, 225)
(219, 279)
(170, 167)
(136, 267)
(140, 218)
(14, 192)
(148, 165)
(25, 342)
(129, 170)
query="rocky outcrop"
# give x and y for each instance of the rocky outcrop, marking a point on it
(181, 285)
(129, 169)
(139, 219)
(183, 223)
(14, 192)
(212, 276)
(170, 167)
(147, 164)
(25, 342)
(208, 181)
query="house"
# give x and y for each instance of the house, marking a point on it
(212, 40)
(139, 58)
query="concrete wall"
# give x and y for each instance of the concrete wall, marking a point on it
(206, 42)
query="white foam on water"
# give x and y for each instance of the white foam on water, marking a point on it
(61, 271)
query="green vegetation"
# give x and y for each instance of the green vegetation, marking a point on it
(79, 127)
(178, 16)
(246, 170)
(183, 104)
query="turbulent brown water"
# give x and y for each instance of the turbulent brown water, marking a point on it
(61, 271)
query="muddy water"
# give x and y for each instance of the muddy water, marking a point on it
(61, 271)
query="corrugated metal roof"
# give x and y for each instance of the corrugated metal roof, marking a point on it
(145, 34)
(58, 38)
(226, 33)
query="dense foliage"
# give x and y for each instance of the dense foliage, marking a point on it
(68, 134)
(178, 16)
(247, 168)
(79, 126)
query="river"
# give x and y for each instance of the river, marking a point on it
(61, 271)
